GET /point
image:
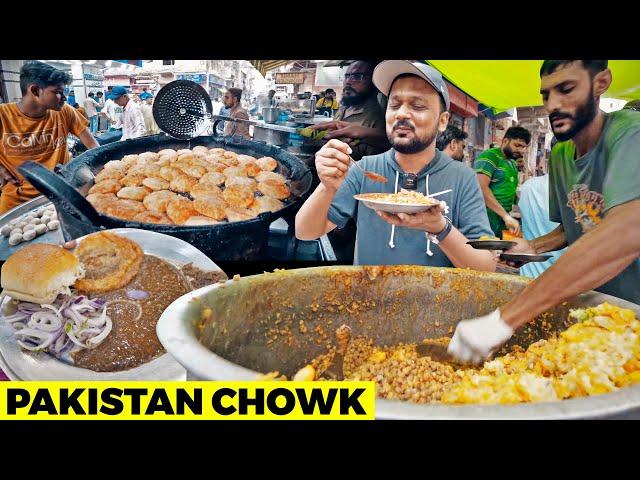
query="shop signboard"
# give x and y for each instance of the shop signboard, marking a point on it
(295, 78)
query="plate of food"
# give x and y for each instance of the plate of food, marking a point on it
(491, 243)
(524, 257)
(406, 201)
(90, 313)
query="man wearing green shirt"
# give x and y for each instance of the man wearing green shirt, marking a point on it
(594, 196)
(497, 173)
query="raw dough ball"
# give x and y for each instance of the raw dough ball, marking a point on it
(5, 231)
(39, 212)
(29, 235)
(15, 239)
(22, 224)
(13, 223)
(28, 227)
(16, 231)
(53, 224)
(40, 229)
(46, 219)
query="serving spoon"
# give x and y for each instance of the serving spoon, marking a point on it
(370, 175)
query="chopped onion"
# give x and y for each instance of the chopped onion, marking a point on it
(137, 294)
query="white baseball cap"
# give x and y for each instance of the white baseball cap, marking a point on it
(386, 72)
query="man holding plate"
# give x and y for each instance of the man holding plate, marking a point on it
(416, 111)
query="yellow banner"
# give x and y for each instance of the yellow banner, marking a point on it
(187, 400)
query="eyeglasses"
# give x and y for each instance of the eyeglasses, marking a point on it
(356, 77)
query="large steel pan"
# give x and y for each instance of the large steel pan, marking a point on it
(258, 327)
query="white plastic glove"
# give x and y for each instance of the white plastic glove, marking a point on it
(476, 339)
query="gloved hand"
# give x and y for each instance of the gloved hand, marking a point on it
(476, 339)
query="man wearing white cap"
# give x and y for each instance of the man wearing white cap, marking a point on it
(417, 109)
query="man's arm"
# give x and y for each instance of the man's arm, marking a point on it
(311, 219)
(580, 268)
(493, 204)
(376, 137)
(88, 139)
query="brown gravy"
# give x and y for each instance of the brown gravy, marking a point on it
(132, 343)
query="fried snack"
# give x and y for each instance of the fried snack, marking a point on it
(239, 196)
(162, 162)
(152, 217)
(147, 157)
(194, 171)
(200, 149)
(115, 164)
(109, 174)
(211, 205)
(200, 162)
(155, 184)
(274, 189)
(182, 183)
(266, 204)
(236, 214)
(212, 178)
(246, 181)
(217, 167)
(157, 201)
(137, 169)
(229, 154)
(129, 160)
(185, 157)
(251, 167)
(184, 151)
(180, 210)
(229, 161)
(110, 262)
(238, 171)
(152, 170)
(167, 151)
(200, 220)
(217, 151)
(106, 186)
(100, 200)
(267, 164)
(168, 173)
(133, 180)
(133, 193)
(205, 189)
(264, 176)
(246, 158)
(123, 209)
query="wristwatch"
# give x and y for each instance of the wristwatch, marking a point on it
(438, 237)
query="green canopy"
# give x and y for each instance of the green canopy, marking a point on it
(505, 84)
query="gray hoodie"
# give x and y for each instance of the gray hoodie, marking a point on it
(379, 243)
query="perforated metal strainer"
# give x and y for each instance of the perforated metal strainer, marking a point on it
(182, 109)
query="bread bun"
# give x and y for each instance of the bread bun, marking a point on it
(38, 273)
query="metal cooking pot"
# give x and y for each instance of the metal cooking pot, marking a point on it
(270, 114)
(225, 241)
(388, 304)
(270, 136)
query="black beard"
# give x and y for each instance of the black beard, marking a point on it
(583, 117)
(355, 100)
(416, 145)
(509, 153)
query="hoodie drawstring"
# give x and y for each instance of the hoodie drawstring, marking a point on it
(429, 252)
(393, 227)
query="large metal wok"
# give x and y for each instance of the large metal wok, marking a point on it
(244, 240)
(258, 319)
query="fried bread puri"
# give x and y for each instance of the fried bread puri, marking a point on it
(205, 189)
(109, 174)
(152, 170)
(115, 164)
(237, 214)
(133, 193)
(180, 210)
(246, 181)
(123, 208)
(200, 149)
(266, 204)
(251, 167)
(100, 200)
(210, 205)
(133, 180)
(106, 186)
(148, 157)
(157, 201)
(239, 196)
(182, 183)
(167, 151)
(137, 169)
(267, 164)
(263, 176)
(152, 217)
(184, 151)
(110, 262)
(212, 178)
(169, 172)
(274, 189)
(195, 171)
(238, 171)
(155, 184)
(130, 160)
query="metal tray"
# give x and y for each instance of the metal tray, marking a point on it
(524, 257)
(492, 244)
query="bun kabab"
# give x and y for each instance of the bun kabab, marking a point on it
(96, 306)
